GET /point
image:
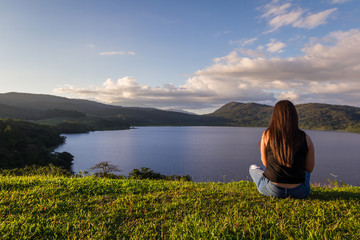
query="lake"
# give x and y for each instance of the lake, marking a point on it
(220, 154)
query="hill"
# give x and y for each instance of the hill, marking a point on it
(91, 115)
(245, 114)
(76, 115)
(41, 102)
(329, 117)
(311, 116)
(45, 207)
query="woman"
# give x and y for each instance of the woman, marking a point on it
(287, 154)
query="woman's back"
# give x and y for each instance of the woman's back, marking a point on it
(295, 172)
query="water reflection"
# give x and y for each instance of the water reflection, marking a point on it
(206, 153)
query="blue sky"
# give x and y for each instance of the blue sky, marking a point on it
(190, 55)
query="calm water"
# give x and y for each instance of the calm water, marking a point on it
(207, 153)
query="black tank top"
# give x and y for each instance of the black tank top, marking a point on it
(278, 173)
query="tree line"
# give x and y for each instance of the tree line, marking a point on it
(24, 144)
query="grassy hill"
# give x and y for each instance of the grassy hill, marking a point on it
(44, 207)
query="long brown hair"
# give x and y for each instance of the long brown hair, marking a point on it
(284, 133)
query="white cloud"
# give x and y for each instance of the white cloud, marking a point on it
(289, 95)
(272, 9)
(258, 52)
(112, 53)
(285, 19)
(328, 71)
(249, 41)
(280, 15)
(340, 1)
(275, 46)
(314, 20)
(243, 42)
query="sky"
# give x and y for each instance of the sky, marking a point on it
(186, 55)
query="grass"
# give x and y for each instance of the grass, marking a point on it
(44, 207)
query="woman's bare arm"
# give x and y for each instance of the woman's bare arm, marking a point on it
(310, 156)
(264, 140)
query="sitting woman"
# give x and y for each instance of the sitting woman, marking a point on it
(287, 154)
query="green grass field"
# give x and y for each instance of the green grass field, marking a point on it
(41, 207)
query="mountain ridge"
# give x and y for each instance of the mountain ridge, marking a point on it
(37, 104)
(45, 108)
(319, 116)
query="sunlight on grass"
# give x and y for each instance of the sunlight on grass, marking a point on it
(41, 207)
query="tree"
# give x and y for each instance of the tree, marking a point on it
(145, 173)
(63, 159)
(105, 169)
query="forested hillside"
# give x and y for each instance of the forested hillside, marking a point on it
(24, 143)
(311, 116)
(91, 115)
(75, 115)
(329, 117)
(244, 114)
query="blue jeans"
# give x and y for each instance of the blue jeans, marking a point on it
(268, 188)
